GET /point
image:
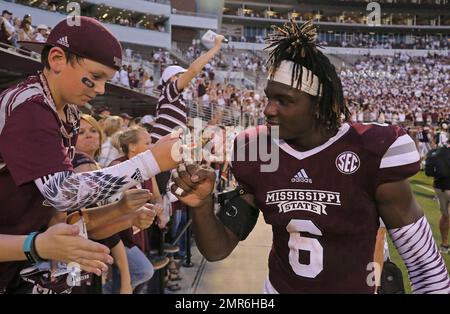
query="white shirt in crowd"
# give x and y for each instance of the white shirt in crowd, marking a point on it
(443, 138)
(221, 101)
(8, 26)
(128, 53)
(205, 100)
(148, 87)
(124, 80)
(40, 38)
(116, 78)
(419, 117)
(108, 154)
(188, 94)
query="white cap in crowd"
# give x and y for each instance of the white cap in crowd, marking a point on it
(149, 119)
(171, 71)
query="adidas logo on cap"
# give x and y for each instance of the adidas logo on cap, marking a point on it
(301, 177)
(63, 42)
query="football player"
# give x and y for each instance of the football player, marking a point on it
(334, 182)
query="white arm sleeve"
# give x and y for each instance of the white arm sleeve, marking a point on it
(69, 191)
(426, 268)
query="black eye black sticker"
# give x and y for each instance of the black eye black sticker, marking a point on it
(88, 82)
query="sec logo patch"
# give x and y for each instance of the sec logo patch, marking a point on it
(348, 162)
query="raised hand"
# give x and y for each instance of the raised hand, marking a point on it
(219, 40)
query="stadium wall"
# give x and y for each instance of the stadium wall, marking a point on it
(350, 51)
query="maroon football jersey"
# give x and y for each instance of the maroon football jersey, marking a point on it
(321, 204)
(31, 146)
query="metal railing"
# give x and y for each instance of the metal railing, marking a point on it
(186, 230)
(20, 52)
(190, 13)
(222, 115)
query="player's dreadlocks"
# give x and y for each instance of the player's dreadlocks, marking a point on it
(297, 44)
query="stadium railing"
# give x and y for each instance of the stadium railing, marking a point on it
(226, 115)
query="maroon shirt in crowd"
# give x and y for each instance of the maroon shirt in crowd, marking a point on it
(170, 112)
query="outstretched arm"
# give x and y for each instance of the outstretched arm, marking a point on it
(69, 191)
(196, 66)
(411, 234)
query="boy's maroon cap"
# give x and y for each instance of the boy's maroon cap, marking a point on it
(88, 39)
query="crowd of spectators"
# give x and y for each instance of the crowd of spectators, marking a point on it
(395, 89)
(15, 29)
(391, 43)
(124, 18)
(399, 90)
(365, 41)
(137, 79)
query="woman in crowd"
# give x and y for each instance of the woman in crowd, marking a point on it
(110, 148)
(133, 142)
(25, 32)
(88, 148)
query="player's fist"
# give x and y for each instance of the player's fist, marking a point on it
(193, 184)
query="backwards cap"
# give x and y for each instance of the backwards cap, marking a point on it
(88, 39)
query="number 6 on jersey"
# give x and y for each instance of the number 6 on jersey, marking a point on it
(311, 245)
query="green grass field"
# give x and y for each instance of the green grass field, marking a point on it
(423, 190)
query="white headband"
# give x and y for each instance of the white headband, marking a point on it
(309, 82)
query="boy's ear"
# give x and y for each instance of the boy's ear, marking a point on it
(57, 59)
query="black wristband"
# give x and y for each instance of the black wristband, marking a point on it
(33, 251)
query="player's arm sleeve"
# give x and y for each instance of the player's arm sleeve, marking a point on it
(426, 268)
(69, 191)
(411, 235)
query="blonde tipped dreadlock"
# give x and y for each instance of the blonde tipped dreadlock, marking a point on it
(298, 44)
